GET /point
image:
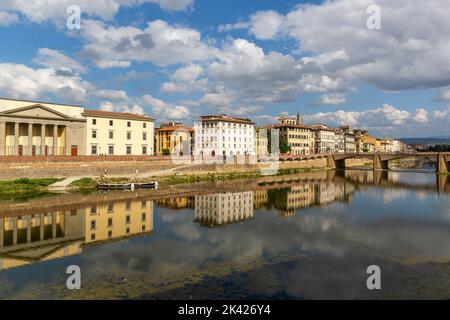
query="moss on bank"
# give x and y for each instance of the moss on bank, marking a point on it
(85, 184)
(25, 188)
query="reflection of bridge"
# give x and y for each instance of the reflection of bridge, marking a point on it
(380, 160)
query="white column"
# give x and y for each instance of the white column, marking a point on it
(30, 139)
(2, 138)
(43, 140)
(55, 140)
(28, 229)
(16, 139)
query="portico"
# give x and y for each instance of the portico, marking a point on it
(37, 130)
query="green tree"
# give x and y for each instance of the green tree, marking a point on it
(285, 148)
(166, 152)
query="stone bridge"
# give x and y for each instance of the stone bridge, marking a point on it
(381, 160)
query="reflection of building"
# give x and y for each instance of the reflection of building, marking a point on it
(117, 220)
(287, 201)
(222, 208)
(176, 203)
(260, 198)
(42, 237)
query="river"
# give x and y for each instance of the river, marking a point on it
(299, 237)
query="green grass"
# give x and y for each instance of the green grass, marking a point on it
(83, 184)
(25, 188)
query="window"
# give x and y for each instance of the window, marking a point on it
(128, 135)
(144, 125)
(93, 210)
(111, 123)
(110, 207)
(94, 134)
(94, 150)
(93, 225)
(128, 220)
(111, 134)
(94, 121)
(129, 124)
(144, 204)
(110, 150)
(110, 222)
(143, 217)
(128, 206)
(144, 136)
(93, 236)
(128, 150)
(128, 230)
(109, 234)
(144, 150)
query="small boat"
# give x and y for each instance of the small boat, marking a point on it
(127, 186)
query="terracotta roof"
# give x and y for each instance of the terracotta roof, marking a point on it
(226, 118)
(109, 114)
(174, 128)
(286, 125)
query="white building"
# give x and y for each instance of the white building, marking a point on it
(223, 135)
(324, 139)
(222, 208)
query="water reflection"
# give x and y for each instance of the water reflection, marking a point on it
(42, 237)
(339, 223)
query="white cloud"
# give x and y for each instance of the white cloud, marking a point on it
(233, 26)
(332, 99)
(58, 61)
(116, 95)
(20, 81)
(444, 96)
(115, 107)
(266, 24)
(7, 18)
(386, 117)
(159, 43)
(55, 10)
(421, 116)
(164, 110)
(442, 115)
(188, 73)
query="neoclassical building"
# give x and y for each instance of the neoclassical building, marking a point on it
(30, 128)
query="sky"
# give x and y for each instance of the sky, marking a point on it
(336, 62)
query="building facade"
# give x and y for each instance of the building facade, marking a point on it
(324, 139)
(114, 133)
(294, 136)
(30, 128)
(262, 141)
(222, 135)
(172, 138)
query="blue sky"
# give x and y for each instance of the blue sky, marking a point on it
(178, 59)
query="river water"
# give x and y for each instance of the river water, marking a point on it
(301, 237)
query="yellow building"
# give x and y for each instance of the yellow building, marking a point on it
(262, 141)
(115, 133)
(295, 136)
(115, 220)
(260, 197)
(173, 138)
(176, 203)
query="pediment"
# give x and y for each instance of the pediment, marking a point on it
(36, 111)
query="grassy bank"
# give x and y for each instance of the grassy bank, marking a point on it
(24, 187)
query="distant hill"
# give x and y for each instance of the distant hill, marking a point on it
(428, 141)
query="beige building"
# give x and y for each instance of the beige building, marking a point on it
(115, 220)
(262, 141)
(296, 136)
(173, 138)
(116, 133)
(29, 128)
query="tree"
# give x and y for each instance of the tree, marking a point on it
(166, 152)
(285, 148)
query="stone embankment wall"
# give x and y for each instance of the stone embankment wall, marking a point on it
(15, 167)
